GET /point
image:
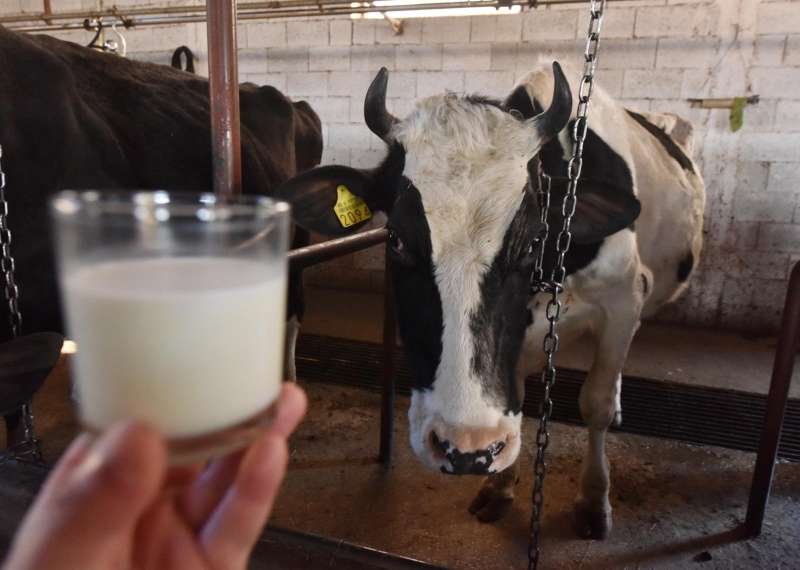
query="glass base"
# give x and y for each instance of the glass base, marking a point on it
(221, 442)
(201, 448)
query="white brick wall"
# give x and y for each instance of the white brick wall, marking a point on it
(655, 55)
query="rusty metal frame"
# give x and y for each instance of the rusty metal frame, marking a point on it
(326, 251)
(227, 172)
(785, 355)
(223, 81)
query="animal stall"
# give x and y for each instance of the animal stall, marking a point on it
(222, 56)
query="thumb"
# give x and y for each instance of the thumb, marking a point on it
(87, 512)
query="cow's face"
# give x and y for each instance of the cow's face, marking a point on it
(463, 227)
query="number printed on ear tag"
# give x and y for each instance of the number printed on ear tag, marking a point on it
(349, 208)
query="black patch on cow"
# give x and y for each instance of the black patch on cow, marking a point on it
(521, 102)
(599, 160)
(419, 306)
(499, 322)
(672, 148)
(685, 267)
(645, 284)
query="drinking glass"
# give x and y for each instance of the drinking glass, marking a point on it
(177, 304)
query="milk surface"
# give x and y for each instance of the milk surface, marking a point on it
(189, 345)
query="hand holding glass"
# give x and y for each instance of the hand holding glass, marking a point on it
(177, 303)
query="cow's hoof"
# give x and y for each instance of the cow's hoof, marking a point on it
(591, 523)
(617, 419)
(488, 509)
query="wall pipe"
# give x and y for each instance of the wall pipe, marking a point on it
(247, 11)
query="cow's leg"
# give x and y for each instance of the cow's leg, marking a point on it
(495, 495)
(599, 407)
(295, 308)
(618, 402)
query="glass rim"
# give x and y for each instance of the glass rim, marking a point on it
(70, 204)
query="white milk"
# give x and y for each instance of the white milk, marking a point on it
(188, 345)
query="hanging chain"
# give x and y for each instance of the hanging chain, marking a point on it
(7, 261)
(556, 283)
(30, 445)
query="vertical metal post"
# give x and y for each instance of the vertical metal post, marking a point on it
(387, 367)
(224, 97)
(776, 406)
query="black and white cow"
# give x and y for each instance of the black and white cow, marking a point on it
(458, 186)
(75, 118)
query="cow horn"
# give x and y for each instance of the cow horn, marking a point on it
(556, 117)
(379, 120)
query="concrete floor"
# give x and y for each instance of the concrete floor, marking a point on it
(659, 352)
(674, 504)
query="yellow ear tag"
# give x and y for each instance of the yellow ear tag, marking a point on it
(349, 208)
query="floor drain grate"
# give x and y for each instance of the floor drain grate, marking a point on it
(649, 407)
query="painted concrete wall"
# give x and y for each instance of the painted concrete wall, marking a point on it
(654, 56)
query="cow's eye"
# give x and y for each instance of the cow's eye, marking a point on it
(395, 242)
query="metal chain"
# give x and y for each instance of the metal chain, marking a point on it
(556, 284)
(543, 201)
(7, 261)
(31, 443)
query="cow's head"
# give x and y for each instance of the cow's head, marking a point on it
(464, 224)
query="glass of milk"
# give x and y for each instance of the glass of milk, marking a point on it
(177, 304)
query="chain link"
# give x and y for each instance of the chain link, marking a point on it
(556, 284)
(7, 261)
(30, 445)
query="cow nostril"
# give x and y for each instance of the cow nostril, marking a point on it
(442, 445)
(495, 449)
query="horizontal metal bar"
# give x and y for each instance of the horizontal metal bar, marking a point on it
(247, 11)
(340, 550)
(321, 252)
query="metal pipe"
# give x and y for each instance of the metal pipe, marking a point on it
(387, 366)
(318, 253)
(300, 9)
(223, 85)
(126, 12)
(48, 9)
(776, 406)
(331, 551)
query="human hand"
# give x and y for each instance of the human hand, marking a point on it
(107, 504)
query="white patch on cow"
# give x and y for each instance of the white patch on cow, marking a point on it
(469, 163)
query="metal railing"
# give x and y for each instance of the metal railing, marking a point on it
(319, 253)
(782, 368)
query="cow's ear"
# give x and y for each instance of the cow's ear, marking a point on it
(332, 200)
(603, 209)
(520, 102)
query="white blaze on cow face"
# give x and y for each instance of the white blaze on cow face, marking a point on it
(468, 160)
